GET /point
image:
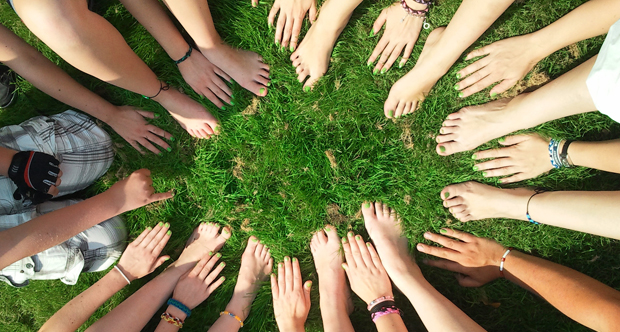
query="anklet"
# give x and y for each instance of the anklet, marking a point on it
(233, 316)
(162, 87)
(501, 265)
(527, 211)
(189, 52)
(382, 299)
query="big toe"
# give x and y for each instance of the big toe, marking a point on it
(390, 106)
(252, 245)
(368, 211)
(448, 148)
(332, 234)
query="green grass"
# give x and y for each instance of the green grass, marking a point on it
(268, 171)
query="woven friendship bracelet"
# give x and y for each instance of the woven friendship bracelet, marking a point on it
(233, 316)
(179, 306)
(168, 318)
(501, 264)
(379, 300)
(189, 52)
(385, 311)
(413, 12)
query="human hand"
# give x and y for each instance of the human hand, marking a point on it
(291, 301)
(476, 260)
(131, 124)
(141, 256)
(505, 61)
(367, 277)
(401, 32)
(206, 79)
(136, 191)
(524, 157)
(196, 285)
(292, 13)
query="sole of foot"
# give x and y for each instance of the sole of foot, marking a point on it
(473, 126)
(409, 91)
(245, 67)
(475, 201)
(325, 248)
(205, 238)
(192, 116)
(256, 265)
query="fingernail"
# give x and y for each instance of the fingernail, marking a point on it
(292, 48)
(286, 259)
(367, 205)
(484, 174)
(272, 275)
(350, 234)
(443, 231)
(344, 266)
(456, 87)
(473, 156)
(442, 148)
(372, 32)
(167, 258)
(282, 48)
(210, 253)
(458, 76)
(261, 91)
(278, 42)
(307, 89)
(502, 139)
(222, 264)
(294, 259)
(160, 224)
(390, 113)
(374, 72)
(149, 229)
(232, 103)
(169, 149)
(280, 265)
(475, 168)
(172, 139)
(493, 94)
(420, 248)
(223, 108)
(344, 240)
(223, 278)
(169, 232)
(218, 255)
(156, 115)
(446, 195)
(309, 284)
(368, 244)
(254, 239)
(400, 65)
(461, 95)
(357, 237)
(167, 225)
(369, 64)
(383, 71)
(268, 83)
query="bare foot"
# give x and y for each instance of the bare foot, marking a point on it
(473, 126)
(383, 226)
(325, 248)
(191, 115)
(522, 157)
(205, 238)
(475, 201)
(256, 264)
(412, 88)
(245, 67)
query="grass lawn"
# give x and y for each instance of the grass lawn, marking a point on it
(268, 173)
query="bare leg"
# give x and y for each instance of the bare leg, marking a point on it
(90, 43)
(584, 211)
(256, 264)
(313, 54)
(473, 126)
(246, 68)
(333, 289)
(471, 19)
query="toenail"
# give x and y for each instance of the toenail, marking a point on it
(254, 239)
(441, 131)
(367, 205)
(502, 139)
(458, 76)
(475, 168)
(461, 95)
(456, 87)
(484, 174)
(327, 229)
(307, 89)
(446, 195)
(450, 209)
(473, 156)
(224, 231)
(442, 148)
(390, 113)
(493, 94)
(261, 91)
(443, 231)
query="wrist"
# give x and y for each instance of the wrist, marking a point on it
(539, 45)
(123, 272)
(290, 326)
(176, 312)
(415, 5)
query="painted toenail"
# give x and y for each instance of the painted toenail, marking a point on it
(390, 113)
(484, 174)
(456, 87)
(443, 231)
(307, 89)
(461, 95)
(475, 168)
(446, 195)
(442, 148)
(367, 205)
(502, 139)
(458, 76)
(261, 91)
(224, 231)
(254, 239)
(372, 32)
(493, 94)
(441, 131)
(473, 156)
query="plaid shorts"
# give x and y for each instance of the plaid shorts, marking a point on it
(85, 154)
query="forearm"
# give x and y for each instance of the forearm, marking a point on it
(75, 313)
(591, 19)
(154, 18)
(435, 310)
(164, 326)
(53, 228)
(578, 296)
(594, 212)
(6, 157)
(390, 323)
(598, 155)
(139, 308)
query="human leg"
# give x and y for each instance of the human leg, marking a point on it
(312, 56)
(472, 126)
(245, 67)
(335, 297)
(90, 43)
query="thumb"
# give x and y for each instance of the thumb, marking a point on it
(512, 140)
(312, 13)
(161, 196)
(146, 114)
(159, 262)
(376, 27)
(467, 281)
(307, 289)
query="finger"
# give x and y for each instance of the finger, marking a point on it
(491, 154)
(348, 257)
(145, 143)
(209, 266)
(508, 170)
(312, 12)
(444, 241)
(53, 190)
(463, 236)
(200, 265)
(281, 278)
(374, 256)
(288, 268)
(161, 196)
(158, 131)
(254, 3)
(272, 13)
(59, 174)
(444, 264)
(155, 139)
(437, 252)
(213, 274)
(493, 164)
(275, 292)
(280, 28)
(355, 250)
(379, 22)
(288, 30)
(162, 243)
(159, 262)
(472, 79)
(296, 274)
(151, 235)
(479, 52)
(307, 290)
(158, 237)
(136, 146)
(479, 86)
(216, 285)
(406, 55)
(516, 139)
(503, 86)
(472, 68)
(361, 245)
(384, 56)
(223, 75)
(467, 281)
(145, 114)
(141, 237)
(515, 178)
(295, 33)
(383, 42)
(395, 54)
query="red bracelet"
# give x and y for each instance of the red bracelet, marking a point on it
(501, 264)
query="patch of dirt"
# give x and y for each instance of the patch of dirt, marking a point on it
(252, 108)
(334, 216)
(407, 199)
(332, 158)
(535, 80)
(337, 84)
(238, 168)
(407, 138)
(574, 50)
(245, 225)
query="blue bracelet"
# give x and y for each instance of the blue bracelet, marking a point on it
(180, 306)
(189, 52)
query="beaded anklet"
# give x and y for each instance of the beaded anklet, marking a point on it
(162, 87)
